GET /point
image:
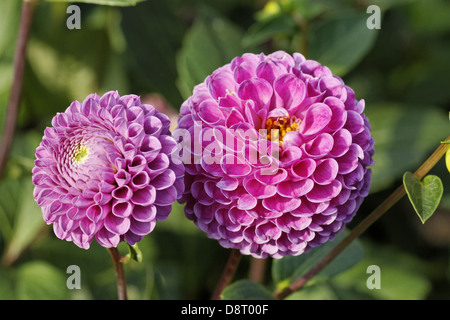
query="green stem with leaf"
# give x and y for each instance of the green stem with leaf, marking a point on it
(366, 223)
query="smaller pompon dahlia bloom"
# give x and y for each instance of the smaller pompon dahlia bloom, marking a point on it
(277, 152)
(104, 171)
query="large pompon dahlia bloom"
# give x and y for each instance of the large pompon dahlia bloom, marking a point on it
(104, 171)
(277, 151)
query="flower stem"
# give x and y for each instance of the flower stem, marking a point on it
(28, 8)
(227, 274)
(120, 275)
(363, 225)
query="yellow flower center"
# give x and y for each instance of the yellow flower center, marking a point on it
(277, 128)
(81, 153)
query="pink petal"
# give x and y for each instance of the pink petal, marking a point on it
(258, 90)
(295, 189)
(317, 118)
(281, 204)
(290, 89)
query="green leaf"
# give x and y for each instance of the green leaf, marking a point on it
(134, 253)
(39, 280)
(404, 137)
(210, 43)
(28, 222)
(246, 290)
(424, 195)
(261, 31)
(340, 43)
(289, 268)
(121, 3)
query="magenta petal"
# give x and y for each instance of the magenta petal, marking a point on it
(142, 228)
(234, 166)
(339, 113)
(209, 112)
(271, 177)
(144, 197)
(166, 196)
(304, 168)
(349, 161)
(320, 146)
(281, 204)
(258, 189)
(317, 118)
(234, 117)
(295, 189)
(246, 202)
(122, 209)
(116, 224)
(258, 90)
(107, 239)
(342, 141)
(228, 183)
(326, 171)
(322, 193)
(355, 123)
(220, 82)
(290, 89)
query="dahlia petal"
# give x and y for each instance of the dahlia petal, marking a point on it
(326, 171)
(228, 183)
(258, 90)
(304, 168)
(246, 202)
(234, 117)
(317, 118)
(268, 71)
(141, 179)
(220, 82)
(87, 226)
(320, 193)
(290, 89)
(145, 196)
(271, 177)
(295, 189)
(234, 166)
(117, 225)
(96, 213)
(209, 112)
(166, 196)
(342, 140)
(258, 189)
(141, 228)
(281, 204)
(144, 214)
(240, 217)
(355, 123)
(320, 146)
(339, 116)
(122, 209)
(349, 161)
(107, 239)
(123, 193)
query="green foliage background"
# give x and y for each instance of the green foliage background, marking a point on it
(160, 50)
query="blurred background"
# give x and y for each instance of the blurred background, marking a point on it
(160, 50)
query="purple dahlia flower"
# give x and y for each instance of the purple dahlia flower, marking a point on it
(277, 151)
(104, 171)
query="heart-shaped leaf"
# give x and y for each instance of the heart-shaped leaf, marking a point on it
(424, 195)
